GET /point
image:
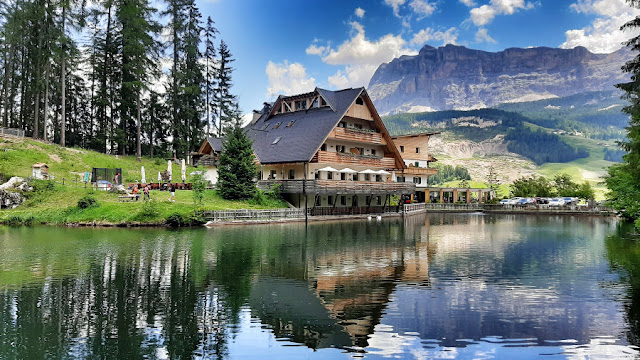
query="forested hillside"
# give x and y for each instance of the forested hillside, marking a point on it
(89, 74)
(479, 125)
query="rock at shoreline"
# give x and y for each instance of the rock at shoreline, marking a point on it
(9, 196)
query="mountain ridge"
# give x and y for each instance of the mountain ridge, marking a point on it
(454, 77)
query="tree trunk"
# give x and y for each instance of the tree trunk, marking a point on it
(35, 115)
(45, 116)
(63, 81)
(139, 152)
(5, 96)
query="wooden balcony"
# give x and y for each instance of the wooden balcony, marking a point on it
(355, 135)
(338, 187)
(329, 157)
(420, 171)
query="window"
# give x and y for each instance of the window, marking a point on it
(342, 124)
(324, 103)
(378, 178)
(341, 148)
(273, 174)
(292, 174)
(401, 148)
(354, 201)
(265, 126)
(355, 177)
(277, 125)
(301, 104)
(417, 180)
(417, 150)
(330, 200)
(400, 179)
(317, 175)
(367, 177)
(316, 103)
(357, 126)
(416, 164)
(329, 175)
(360, 150)
(317, 201)
(343, 200)
(277, 140)
(323, 147)
(290, 123)
(373, 152)
(379, 200)
(366, 200)
(343, 176)
(359, 101)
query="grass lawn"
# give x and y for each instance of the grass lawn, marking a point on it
(59, 206)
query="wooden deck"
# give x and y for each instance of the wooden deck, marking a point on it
(355, 135)
(338, 187)
(509, 209)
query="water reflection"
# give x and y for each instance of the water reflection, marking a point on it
(427, 286)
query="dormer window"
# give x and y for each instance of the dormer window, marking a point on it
(417, 150)
(359, 101)
(301, 105)
(324, 103)
(401, 148)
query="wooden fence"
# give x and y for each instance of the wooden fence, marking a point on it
(257, 215)
(508, 209)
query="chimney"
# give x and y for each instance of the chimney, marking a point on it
(256, 116)
(266, 108)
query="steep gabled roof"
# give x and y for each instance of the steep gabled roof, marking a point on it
(299, 141)
(215, 144)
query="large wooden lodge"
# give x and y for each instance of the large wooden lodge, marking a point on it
(330, 151)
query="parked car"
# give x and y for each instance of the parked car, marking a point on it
(568, 201)
(505, 201)
(521, 201)
(514, 200)
(531, 200)
(541, 200)
(556, 201)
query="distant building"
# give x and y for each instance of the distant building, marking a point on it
(414, 150)
(40, 171)
(207, 157)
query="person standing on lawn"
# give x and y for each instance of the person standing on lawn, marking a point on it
(172, 191)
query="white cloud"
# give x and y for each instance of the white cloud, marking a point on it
(422, 8)
(288, 79)
(360, 57)
(483, 36)
(316, 50)
(359, 12)
(604, 34)
(426, 35)
(469, 3)
(485, 14)
(359, 50)
(395, 4)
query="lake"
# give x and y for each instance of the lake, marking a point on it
(444, 286)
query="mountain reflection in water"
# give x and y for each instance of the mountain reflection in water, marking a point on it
(466, 286)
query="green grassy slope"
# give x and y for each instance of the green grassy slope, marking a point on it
(58, 204)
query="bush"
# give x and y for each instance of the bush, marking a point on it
(88, 201)
(149, 209)
(190, 219)
(17, 220)
(275, 192)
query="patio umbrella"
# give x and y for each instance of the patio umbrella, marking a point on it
(393, 176)
(328, 168)
(169, 169)
(142, 175)
(348, 171)
(183, 171)
(368, 171)
(382, 172)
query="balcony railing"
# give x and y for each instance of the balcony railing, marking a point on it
(338, 187)
(363, 136)
(420, 171)
(330, 157)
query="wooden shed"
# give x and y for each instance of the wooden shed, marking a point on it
(40, 171)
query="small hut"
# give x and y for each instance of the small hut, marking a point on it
(40, 171)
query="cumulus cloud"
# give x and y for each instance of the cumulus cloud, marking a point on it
(395, 4)
(482, 35)
(288, 79)
(422, 8)
(426, 35)
(604, 34)
(483, 15)
(316, 50)
(360, 57)
(359, 13)
(469, 3)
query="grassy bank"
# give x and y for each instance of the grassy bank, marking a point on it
(59, 205)
(53, 203)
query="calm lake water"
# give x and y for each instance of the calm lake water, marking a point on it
(437, 286)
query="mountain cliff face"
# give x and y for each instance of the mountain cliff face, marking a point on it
(456, 78)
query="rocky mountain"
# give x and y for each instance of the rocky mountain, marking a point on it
(458, 78)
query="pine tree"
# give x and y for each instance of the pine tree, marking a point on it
(237, 170)
(623, 179)
(192, 81)
(224, 100)
(210, 82)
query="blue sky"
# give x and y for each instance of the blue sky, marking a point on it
(291, 46)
